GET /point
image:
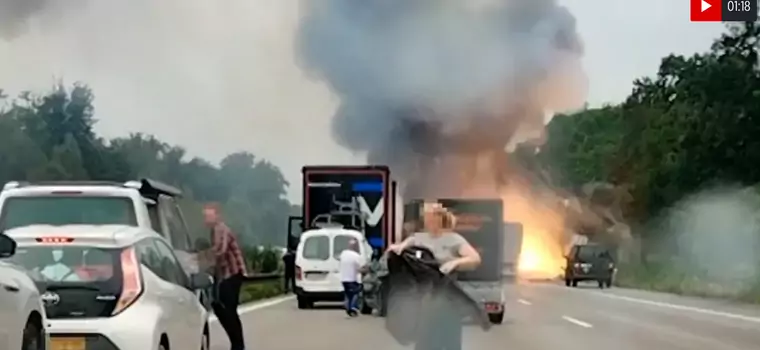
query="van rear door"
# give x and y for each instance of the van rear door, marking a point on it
(316, 263)
(341, 243)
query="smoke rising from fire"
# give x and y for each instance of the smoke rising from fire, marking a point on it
(433, 87)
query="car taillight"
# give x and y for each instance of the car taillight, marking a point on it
(132, 281)
(54, 240)
(299, 273)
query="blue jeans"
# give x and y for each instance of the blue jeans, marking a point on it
(351, 292)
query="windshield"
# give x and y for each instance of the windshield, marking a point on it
(66, 210)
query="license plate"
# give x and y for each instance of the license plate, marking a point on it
(67, 343)
(315, 276)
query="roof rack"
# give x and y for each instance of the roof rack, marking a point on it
(148, 188)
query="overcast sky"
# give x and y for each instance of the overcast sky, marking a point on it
(219, 76)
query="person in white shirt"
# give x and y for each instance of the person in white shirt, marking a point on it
(351, 263)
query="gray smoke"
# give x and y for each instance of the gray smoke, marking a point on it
(716, 240)
(16, 15)
(431, 86)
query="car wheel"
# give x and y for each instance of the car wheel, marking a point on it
(304, 303)
(567, 282)
(601, 284)
(574, 283)
(33, 337)
(366, 309)
(205, 340)
(608, 282)
(496, 318)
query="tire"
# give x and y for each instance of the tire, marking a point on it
(33, 337)
(567, 282)
(574, 283)
(205, 340)
(608, 282)
(305, 303)
(496, 318)
(382, 301)
(601, 284)
(366, 309)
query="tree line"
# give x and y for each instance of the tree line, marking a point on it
(691, 126)
(50, 136)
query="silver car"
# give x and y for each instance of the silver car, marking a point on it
(22, 316)
(113, 287)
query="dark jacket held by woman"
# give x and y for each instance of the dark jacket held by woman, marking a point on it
(417, 290)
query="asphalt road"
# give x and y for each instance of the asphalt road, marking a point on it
(541, 316)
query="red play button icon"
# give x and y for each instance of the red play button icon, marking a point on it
(706, 10)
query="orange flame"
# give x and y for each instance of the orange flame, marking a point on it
(541, 254)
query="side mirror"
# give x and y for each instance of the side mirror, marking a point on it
(7, 246)
(200, 281)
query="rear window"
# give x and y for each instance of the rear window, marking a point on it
(67, 210)
(340, 243)
(316, 248)
(69, 264)
(82, 281)
(591, 252)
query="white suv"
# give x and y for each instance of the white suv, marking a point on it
(22, 316)
(113, 287)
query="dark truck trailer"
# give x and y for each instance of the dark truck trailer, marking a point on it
(481, 223)
(329, 189)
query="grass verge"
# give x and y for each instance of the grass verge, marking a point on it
(253, 291)
(667, 279)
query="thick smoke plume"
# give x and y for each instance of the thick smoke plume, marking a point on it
(16, 15)
(431, 87)
(714, 240)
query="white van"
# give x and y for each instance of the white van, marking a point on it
(317, 266)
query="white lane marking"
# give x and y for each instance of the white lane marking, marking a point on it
(524, 302)
(257, 306)
(577, 322)
(682, 307)
(710, 312)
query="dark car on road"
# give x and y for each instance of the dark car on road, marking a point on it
(589, 262)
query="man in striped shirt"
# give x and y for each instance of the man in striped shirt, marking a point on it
(229, 272)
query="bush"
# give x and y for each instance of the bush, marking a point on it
(262, 259)
(253, 291)
(270, 261)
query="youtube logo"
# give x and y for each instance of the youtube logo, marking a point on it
(706, 10)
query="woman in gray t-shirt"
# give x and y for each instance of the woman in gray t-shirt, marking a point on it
(443, 330)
